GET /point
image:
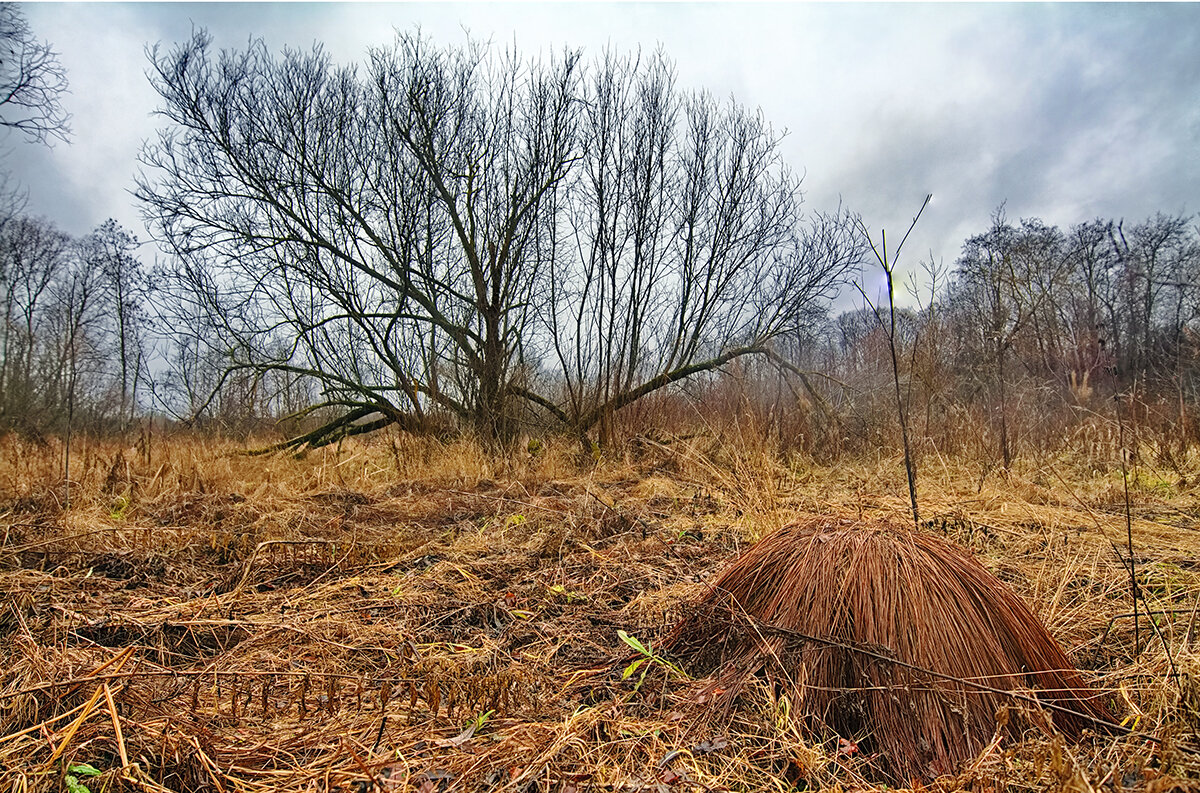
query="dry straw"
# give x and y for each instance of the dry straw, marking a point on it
(901, 642)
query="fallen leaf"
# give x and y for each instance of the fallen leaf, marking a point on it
(433, 781)
(392, 778)
(714, 744)
(460, 739)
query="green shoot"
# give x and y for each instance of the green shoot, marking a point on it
(645, 662)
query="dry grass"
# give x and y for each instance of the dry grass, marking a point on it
(898, 639)
(425, 616)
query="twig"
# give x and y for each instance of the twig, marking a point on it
(358, 761)
(80, 535)
(195, 673)
(1117, 553)
(506, 500)
(379, 734)
(881, 256)
(1133, 584)
(1187, 637)
(1149, 614)
(254, 555)
(42, 724)
(209, 765)
(112, 711)
(73, 728)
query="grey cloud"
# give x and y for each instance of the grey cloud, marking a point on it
(1065, 111)
(1088, 111)
(44, 180)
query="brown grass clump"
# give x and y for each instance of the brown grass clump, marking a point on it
(901, 643)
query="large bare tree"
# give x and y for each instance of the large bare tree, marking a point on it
(110, 251)
(460, 230)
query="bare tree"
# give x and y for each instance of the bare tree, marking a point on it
(109, 250)
(492, 139)
(58, 331)
(903, 400)
(1032, 323)
(76, 340)
(1157, 286)
(373, 235)
(683, 248)
(993, 291)
(1092, 262)
(429, 237)
(32, 81)
(33, 259)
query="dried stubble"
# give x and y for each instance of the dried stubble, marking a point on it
(274, 623)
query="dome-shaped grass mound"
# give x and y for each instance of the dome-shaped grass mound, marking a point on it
(888, 637)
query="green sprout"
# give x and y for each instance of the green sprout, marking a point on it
(77, 770)
(119, 505)
(648, 658)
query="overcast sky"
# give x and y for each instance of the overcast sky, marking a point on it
(1064, 111)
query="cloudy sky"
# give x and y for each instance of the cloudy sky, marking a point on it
(1064, 111)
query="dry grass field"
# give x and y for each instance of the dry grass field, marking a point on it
(403, 614)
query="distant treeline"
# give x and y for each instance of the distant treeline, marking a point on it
(75, 328)
(1032, 329)
(1028, 337)
(456, 239)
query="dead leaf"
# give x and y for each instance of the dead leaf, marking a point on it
(392, 778)
(714, 744)
(460, 739)
(433, 781)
